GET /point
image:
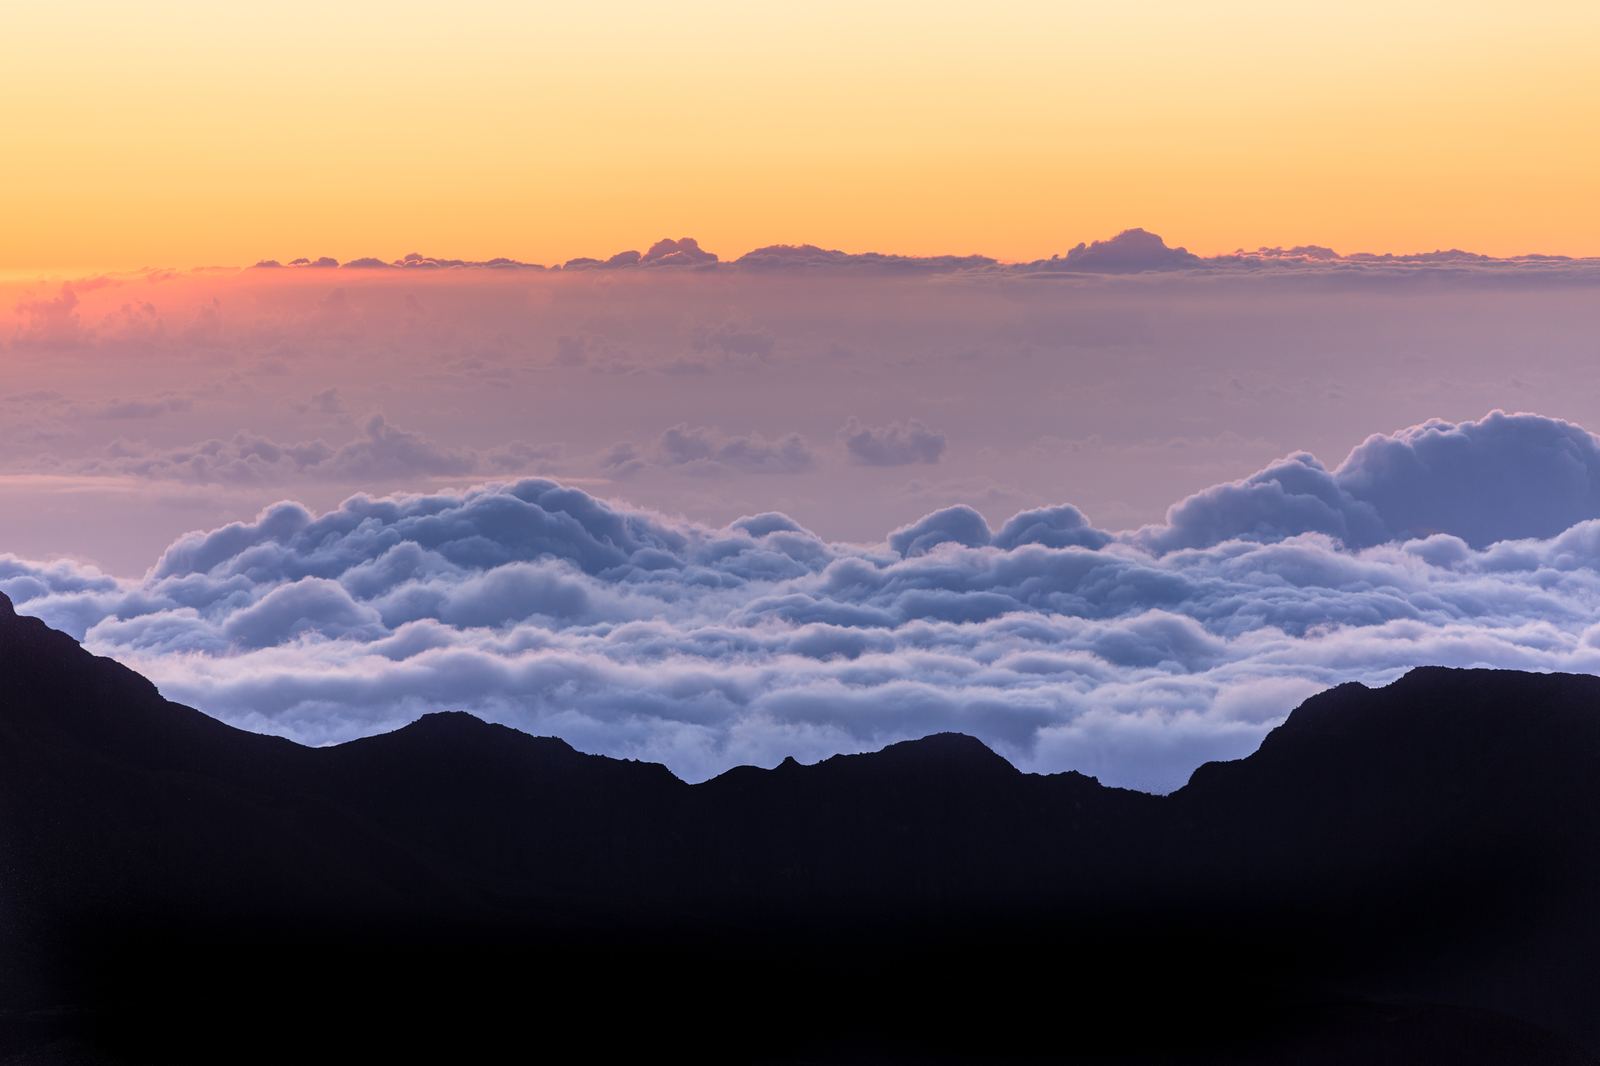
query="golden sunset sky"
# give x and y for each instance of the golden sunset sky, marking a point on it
(190, 133)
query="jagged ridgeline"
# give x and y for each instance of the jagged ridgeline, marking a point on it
(1405, 874)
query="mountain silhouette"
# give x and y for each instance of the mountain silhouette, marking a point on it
(1404, 874)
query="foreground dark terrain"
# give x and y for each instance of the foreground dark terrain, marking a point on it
(1402, 875)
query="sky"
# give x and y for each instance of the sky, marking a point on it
(855, 400)
(182, 134)
(1116, 512)
(711, 383)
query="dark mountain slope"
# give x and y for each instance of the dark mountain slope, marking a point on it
(917, 827)
(1398, 875)
(528, 820)
(114, 799)
(1448, 823)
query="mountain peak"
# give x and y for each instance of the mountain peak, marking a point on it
(944, 753)
(437, 726)
(448, 720)
(947, 741)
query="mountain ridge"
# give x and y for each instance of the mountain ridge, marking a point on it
(1425, 851)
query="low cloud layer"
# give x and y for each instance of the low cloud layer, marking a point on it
(1133, 655)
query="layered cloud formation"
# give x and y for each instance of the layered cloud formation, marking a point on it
(1133, 655)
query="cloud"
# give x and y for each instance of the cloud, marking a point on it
(383, 452)
(310, 605)
(324, 402)
(1295, 495)
(897, 444)
(682, 252)
(1062, 526)
(732, 339)
(1500, 477)
(1130, 252)
(411, 261)
(388, 451)
(152, 407)
(51, 321)
(242, 459)
(952, 525)
(521, 456)
(808, 257)
(707, 451)
(1065, 646)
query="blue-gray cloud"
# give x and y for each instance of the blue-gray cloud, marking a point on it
(704, 450)
(1501, 477)
(897, 444)
(1134, 656)
(1132, 251)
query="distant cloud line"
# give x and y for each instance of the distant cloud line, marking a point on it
(1133, 251)
(383, 451)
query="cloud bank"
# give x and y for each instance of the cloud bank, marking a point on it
(1134, 656)
(1133, 251)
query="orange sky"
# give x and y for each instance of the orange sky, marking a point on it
(188, 133)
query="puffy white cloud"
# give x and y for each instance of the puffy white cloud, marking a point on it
(1294, 495)
(952, 525)
(1496, 478)
(1500, 477)
(311, 605)
(1062, 526)
(1132, 656)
